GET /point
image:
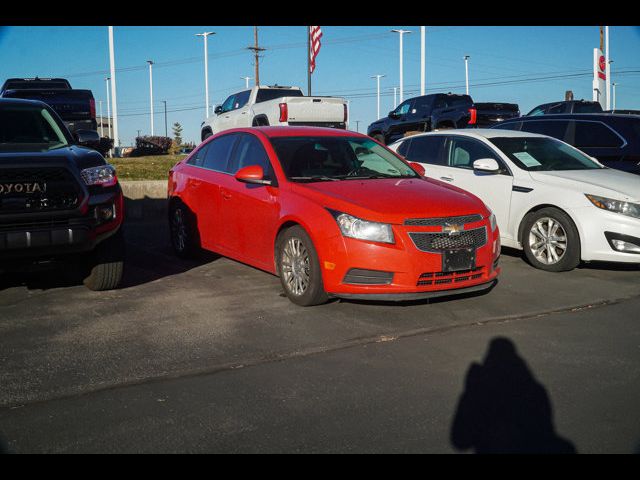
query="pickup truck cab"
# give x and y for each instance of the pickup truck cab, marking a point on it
(276, 105)
(423, 114)
(567, 106)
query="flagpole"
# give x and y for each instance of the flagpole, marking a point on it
(308, 61)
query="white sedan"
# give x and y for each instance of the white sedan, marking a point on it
(557, 203)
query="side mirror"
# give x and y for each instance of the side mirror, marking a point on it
(488, 165)
(218, 110)
(393, 114)
(419, 169)
(252, 174)
(87, 138)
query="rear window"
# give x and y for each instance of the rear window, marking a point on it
(587, 108)
(27, 85)
(593, 134)
(29, 128)
(266, 94)
(458, 100)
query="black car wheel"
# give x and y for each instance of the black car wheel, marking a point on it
(183, 230)
(299, 268)
(106, 264)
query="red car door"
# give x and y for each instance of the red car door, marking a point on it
(206, 187)
(249, 211)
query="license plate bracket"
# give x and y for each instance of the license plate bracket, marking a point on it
(457, 260)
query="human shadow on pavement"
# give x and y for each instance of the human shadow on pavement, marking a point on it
(4, 446)
(504, 409)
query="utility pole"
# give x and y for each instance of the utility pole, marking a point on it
(246, 81)
(138, 133)
(395, 99)
(150, 62)
(608, 68)
(256, 51)
(166, 132)
(401, 33)
(101, 119)
(422, 58)
(378, 77)
(466, 71)
(357, 125)
(108, 106)
(205, 35)
(112, 61)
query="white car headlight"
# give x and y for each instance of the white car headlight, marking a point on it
(355, 227)
(104, 175)
(618, 206)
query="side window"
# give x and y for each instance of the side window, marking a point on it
(217, 155)
(249, 152)
(403, 108)
(593, 134)
(404, 147)
(228, 103)
(509, 126)
(464, 151)
(197, 159)
(241, 99)
(440, 102)
(422, 105)
(557, 108)
(536, 111)
(552, 128)
(427, 149)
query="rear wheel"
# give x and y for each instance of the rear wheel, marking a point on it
(106, 264)
(206, 134)
(551, 241)
(299, 268)
(183, 230)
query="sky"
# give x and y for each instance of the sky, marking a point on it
(506, 65)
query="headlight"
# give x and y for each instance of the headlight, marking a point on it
(104, 175)
(355, 227)
(618, 206)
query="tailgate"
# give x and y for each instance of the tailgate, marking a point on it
(488, 113)
(69, 104)
(315, 109)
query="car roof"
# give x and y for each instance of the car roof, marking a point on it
(480, 133)
(577, 116)
(19, 101)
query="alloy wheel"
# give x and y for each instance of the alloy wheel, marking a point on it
(548, 240)
(295, 266)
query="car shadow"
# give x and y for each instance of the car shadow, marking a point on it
(594, 265)
(504, 409)
(149, 255)
(4, 446)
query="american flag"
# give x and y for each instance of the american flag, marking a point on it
(315, 35)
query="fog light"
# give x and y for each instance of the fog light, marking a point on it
(106, 214)
(623, 246)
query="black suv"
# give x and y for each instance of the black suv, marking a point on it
(566, 106)
(59, 201)
(423, 114)
(611, 138)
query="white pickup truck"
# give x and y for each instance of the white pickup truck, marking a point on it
(262, 106)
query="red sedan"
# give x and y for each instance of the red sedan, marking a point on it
(333, 213)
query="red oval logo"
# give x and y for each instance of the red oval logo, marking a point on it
(602, 63)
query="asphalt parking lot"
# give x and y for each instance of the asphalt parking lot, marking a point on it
(209, 356)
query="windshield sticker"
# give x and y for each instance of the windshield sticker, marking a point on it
(527, 159)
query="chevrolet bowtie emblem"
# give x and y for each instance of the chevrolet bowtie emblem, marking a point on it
(452, 228)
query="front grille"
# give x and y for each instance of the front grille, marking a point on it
(443, 278)
(439, 242)
(441, 222)
(42, 189)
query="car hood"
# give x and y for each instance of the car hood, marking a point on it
(80, 157)
(605, 181)
(393, 200)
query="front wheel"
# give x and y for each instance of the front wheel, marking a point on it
(106, 264)
(551, 241)
(299, 268)
(183, 230)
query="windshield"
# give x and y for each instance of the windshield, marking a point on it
(29, 128)
(311, 159)
(543, 154)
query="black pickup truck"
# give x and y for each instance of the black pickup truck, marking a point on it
(59, 201)
(436, 112)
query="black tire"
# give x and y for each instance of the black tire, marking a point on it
(314, 293)
(206, 134)
(106, 264)
(183, 230)
(379, 138)
(568, 255)
(260, 122)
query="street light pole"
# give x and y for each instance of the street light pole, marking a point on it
(395, 99)
(614, 94)
(378, 77)
(150, 62)
(246, 81)
(422, 58)
(101, 120)
(608, 69)
(357, 125)
(401, 32)
(108, 107)
(466, 71)
(114, 109)
(205, 35)
(166, 132)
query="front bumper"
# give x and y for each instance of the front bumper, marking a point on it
(413, 274)
(592, 225)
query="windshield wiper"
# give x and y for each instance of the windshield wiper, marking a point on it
(315, 178)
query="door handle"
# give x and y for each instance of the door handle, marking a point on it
(447, 179)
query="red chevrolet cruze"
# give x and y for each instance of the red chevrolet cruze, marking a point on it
(332, 213)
